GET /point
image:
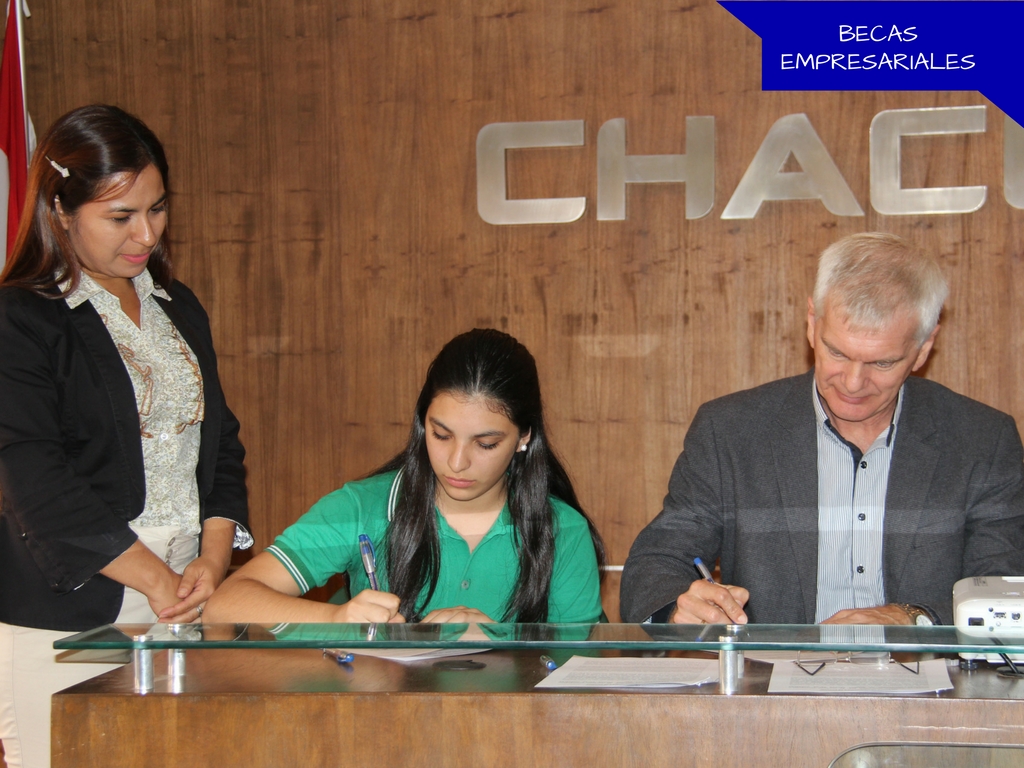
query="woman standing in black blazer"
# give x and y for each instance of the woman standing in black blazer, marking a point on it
(122, 490)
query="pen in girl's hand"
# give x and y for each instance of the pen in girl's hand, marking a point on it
(369, 560)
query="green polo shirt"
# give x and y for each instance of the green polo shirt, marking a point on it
(325, 541)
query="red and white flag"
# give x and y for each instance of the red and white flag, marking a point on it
(15, 130)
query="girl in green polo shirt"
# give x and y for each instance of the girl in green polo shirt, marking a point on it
(475, 520)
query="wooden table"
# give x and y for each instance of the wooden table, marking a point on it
(287, 708)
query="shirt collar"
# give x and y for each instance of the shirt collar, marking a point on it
(823, 421)
(501, 525)
(88, 289)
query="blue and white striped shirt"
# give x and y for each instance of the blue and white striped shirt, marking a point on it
(851, 514)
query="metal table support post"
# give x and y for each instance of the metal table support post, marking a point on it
(176, 656)
(142, 662)
(176, 669)
(730, 662)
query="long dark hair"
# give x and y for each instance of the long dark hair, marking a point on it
(490, 364)
(83, 156)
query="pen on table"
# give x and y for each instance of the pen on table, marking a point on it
(704, 572)
(369, 560)
(548, 662)
(342, 657)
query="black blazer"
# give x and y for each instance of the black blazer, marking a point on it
(745, 489)
(71, 468)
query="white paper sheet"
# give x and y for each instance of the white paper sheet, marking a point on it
(409, 654)
(775, 657)
(843, 677)
(772, 657)
(587, 672)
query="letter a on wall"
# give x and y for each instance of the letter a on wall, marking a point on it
(819, 178)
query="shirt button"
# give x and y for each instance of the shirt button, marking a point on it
(23, 535)
(164, 436)
(860, 569)
(861, 516)
(465, 584)
(863, 465)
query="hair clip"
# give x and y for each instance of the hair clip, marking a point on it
(59, 168)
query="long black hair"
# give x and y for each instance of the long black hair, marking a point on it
(490, 364)
(85, 155)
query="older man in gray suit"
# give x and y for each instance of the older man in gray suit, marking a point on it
(852, 494)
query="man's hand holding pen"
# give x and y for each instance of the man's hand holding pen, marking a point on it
(707, 603)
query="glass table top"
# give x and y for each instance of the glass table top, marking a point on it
(640, 637)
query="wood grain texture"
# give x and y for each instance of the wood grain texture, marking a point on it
(324, 209)
(301, 710)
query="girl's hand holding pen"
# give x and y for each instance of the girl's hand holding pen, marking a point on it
(370, 607)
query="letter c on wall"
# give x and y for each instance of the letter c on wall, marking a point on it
(492, 200)
(887, 128)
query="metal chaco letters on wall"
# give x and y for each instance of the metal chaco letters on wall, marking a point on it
(818, 179)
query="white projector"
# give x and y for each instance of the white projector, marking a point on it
(989, 606)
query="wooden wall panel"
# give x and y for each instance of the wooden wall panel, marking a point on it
(323, 160)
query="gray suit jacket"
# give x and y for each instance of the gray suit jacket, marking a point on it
(745, 489)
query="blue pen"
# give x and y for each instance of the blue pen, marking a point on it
(548, 662)
(369, 560)
(342, 657)
(703, 569)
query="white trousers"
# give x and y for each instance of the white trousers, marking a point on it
(30, 672)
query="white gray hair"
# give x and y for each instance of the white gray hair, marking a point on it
(875, 276)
